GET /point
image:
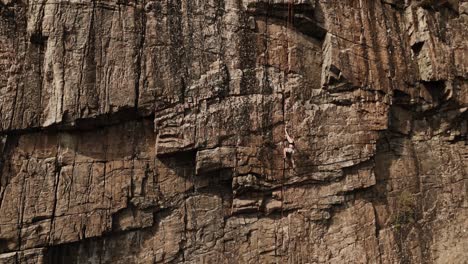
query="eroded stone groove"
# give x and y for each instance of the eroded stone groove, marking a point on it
(153, 131)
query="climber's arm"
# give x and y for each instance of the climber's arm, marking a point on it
(290, 140)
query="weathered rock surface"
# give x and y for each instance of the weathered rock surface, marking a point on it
(146, 131)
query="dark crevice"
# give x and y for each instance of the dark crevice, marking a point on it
(435, 88)
(85, 124)
(398, 4)
(172, 159)
(401, 97)
(38, 39)
(451, 7)
(342, 102)
(459, 138)
(303, 19)
(416, 48)
(3, 246)
(39, 218)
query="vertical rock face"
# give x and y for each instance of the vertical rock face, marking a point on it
(153, 131)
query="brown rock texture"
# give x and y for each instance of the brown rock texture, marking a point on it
(138, 131)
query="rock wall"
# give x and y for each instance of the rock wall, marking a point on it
(143, 131)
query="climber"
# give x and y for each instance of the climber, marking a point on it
(290, 149)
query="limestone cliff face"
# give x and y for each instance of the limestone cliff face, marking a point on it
(143, 131)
